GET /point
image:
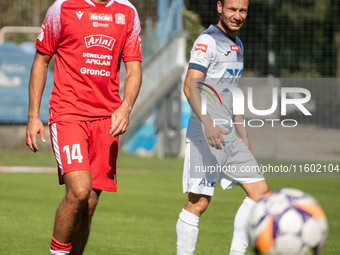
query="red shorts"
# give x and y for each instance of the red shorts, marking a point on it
(86, 145)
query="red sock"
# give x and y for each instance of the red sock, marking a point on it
(58, 246)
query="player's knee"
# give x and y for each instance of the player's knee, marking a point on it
(259, 191)
(264, 189)
(92, 204)
(200, 207)
(79, 195)
(93, 201)
(197, 204)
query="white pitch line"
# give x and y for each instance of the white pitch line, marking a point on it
(27, 169)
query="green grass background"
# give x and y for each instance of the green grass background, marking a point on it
(141, 217)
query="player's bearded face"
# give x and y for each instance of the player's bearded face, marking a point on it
(234, 13)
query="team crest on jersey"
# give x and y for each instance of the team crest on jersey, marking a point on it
(104, 41)
(120, 18)
(42, 32)
(234, 47)
(101, 17)
(200, 50)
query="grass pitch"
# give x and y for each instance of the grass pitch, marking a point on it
(141, 217)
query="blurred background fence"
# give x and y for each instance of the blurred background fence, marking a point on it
(282, 39)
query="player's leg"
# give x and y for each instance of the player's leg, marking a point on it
(83, 232)
(70, 143)
(255, 190)
(102, 155)
(187, 224)
(251, 180)
(78, 189)
(240, 237)
(197, 203)
(200, 191)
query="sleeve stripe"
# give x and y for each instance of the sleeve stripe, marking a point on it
(198, 67)
(43, 50)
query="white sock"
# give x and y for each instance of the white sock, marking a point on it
(187, 232)
(236, 253)
(53, 252)
(240, 237)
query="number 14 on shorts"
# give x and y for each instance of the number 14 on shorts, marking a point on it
(74, 155)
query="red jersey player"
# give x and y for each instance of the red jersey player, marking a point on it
(89, 39)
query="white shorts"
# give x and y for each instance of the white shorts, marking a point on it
(205, 165)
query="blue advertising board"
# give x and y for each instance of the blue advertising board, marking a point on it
(15, 67)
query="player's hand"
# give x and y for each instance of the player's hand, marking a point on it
(214, 136)
(119, 121)
(35, 127)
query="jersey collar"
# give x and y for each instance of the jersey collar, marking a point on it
(93, 4)
(224, 33)
(109, 3)
(90, 2)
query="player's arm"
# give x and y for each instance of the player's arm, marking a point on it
(242, 131)
(213, 134)
(36, 88)
(133, 81)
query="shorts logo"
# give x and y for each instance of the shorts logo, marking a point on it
(207, 183)
(120, 18)
(101, 17)
(42, 32)
(100, 41)
(234, 47)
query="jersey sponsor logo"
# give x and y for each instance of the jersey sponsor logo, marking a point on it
(96, 59)
(234, 47)
(98, 62)
(97, 24)
(104, 41)
(231, 76)
(235, 72)
(201, 47)
(79, 14)
(200, 50)
(120, 18)
(95, 72)
(101, 17)
(97, 56)
(42, 32)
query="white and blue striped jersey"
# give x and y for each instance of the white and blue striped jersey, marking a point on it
(220, 58)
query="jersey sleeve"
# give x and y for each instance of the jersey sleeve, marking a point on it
(49, 34)
(202, 53)
(132, 47)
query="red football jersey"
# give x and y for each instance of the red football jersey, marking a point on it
(89, 40)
